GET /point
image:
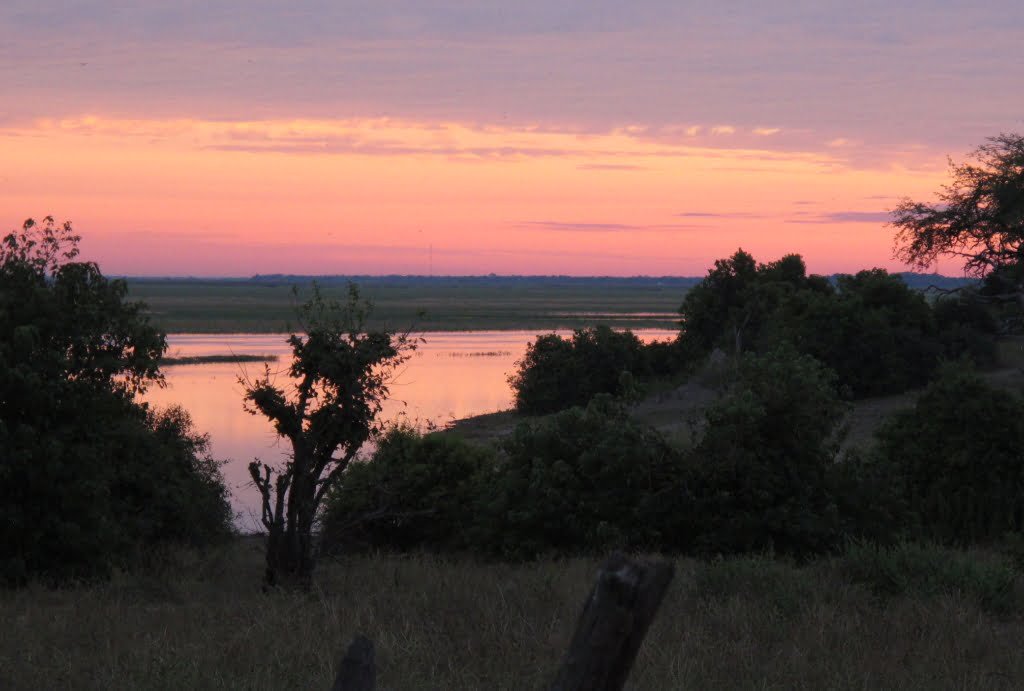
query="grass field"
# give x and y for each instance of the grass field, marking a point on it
(922, 618)
(439, 304)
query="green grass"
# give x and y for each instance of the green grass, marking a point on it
(748, 623)
(184, 306)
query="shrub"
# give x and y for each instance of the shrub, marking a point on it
(583, 480)
(763, 467)
(102, 487)
(415, 492)
(874, 331)
(89, 478)
(926, 571)
(557, 373)
(956, 458)
(967, 328)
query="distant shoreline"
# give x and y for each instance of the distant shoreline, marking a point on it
(267, 304)
(213, 359)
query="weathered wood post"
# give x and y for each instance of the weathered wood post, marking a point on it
(613, 624)
(357, 671)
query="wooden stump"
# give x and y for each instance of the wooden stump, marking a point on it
(613, 624)
(357, 671)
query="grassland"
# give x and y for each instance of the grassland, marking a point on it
(920, 619)
(438, 304)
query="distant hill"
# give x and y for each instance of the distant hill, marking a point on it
(923, 281)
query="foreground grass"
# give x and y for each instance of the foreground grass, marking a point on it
(746, 623)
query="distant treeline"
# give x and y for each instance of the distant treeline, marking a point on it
(915, 280)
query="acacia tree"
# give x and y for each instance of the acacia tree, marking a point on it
(979, 215)
(339, 379)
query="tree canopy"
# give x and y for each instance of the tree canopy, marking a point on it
(979, 215)
(89, 478)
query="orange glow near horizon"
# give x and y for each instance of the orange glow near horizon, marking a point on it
(193, 197)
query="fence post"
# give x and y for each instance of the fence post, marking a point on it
(357, 671)
(613, 623)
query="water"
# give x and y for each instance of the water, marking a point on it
(452, 375)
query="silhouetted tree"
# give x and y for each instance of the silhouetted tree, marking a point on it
(88, 477)
(979, 216)
(340, 376)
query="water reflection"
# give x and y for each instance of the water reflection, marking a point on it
(450, 376)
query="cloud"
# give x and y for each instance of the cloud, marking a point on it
(835, 217)
(835, 71)
(609, 166)
(602, 227)
(718, 215)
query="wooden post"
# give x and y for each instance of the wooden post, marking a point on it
(612, 626)
(357, 671)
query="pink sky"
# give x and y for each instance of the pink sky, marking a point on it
(468, 138)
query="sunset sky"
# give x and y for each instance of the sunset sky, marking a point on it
(469, 137)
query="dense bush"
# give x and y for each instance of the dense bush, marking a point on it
(415, 492)
(583, 480)
(967, 327)
(763, 475)
(878, 335)
(557, 373)
(88, 477)
(876, 332)
(956, 459)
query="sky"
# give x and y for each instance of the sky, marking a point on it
(235, 137)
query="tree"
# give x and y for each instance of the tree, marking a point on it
(762, 479)
(89, 478)
(979, 215)
(556, 373)
(955, 458)
(340, 377)
(732, 307)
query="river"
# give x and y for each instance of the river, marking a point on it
(451, 375)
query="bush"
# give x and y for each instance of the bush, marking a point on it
(763, 469)
(89, 478)
(415, 492)
(956, 458)
(924, 571)
(967, 328)
(874, 331)
(878, 335)
(104, 486)
(557, 373)
(581, 481)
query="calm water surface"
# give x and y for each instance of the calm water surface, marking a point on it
(450, 376)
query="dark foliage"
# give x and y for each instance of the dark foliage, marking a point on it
(583, 480)
(956, 459)
(878, 335)
(978, 218)
(967, 327)
(763, 472)
(979, 215)
(415, 492)
(340, 374)
(875, 332)
(557, 373)
(88, 477)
